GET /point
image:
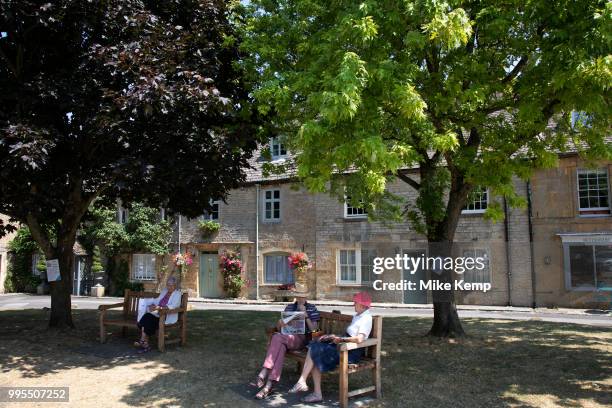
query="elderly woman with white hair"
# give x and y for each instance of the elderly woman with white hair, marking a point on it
(169, 298)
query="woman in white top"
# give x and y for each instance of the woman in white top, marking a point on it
(323, 354)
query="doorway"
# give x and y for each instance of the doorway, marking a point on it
(209, 276)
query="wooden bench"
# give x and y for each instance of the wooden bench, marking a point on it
(336, 323)
(130, 313)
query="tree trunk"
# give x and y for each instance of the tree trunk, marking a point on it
(61, 306)
(446, 321)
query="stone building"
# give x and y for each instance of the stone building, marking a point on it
(4, 253)
(536, 256)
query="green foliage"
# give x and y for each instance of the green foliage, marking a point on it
(232, 270)
(465, 91)
(144, 231)
(209, 227)
(96, 262)
(19, 276)
(41, 265)
(120, 279)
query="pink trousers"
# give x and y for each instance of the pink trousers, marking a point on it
(279, 344)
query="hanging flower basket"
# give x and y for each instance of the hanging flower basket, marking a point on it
(182, 262)
(299, 264)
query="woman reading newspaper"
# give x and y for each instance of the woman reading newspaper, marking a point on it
(323, 354)
(281, 342)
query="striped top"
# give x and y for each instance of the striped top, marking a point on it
(311, 311)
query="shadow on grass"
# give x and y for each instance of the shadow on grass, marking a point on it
(501, 363)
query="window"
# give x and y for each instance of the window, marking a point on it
(35, 260)
(353, 212)
(276, 269)
(143, 267)
(162, 214)
(479, 201)
(213, 214)
(580, 119)
(347, 266)
(593, 192)
(588, 266)
(367, 264)
(277, 148)
(475, 275)
(272, 205)
(122, 215)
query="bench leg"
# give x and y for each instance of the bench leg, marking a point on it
(124, 331)
(376, 374)
(102, 330)
(343, 398)
(161, 335)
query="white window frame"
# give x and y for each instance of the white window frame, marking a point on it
(122, 214)
(152, 276)
(339, 280)
(277, 141)
(467, 209)
(581, 116)
(362, 215)
(35, 259)
(471, 252)
(580, 208)
(208, 216)
(272, 200)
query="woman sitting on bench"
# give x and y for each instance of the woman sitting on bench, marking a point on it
(170, 298)
(280, 343)
(323, 355)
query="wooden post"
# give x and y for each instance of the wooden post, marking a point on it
(161, 333)
(343, 379)
(102, 330)
(377, 377)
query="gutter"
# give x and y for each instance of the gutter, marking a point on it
(508, 263)
(257, 241)
(529, 218)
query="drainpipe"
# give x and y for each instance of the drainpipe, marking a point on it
(529, 217)
(256, 241)
(179, 233)
(508, 264)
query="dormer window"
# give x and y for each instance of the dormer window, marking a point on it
(277, 148)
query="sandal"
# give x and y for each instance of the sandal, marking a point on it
(139, 343)
(298, 387)
(145, 348)
(260, 382)
(312, 398)
(264, 393)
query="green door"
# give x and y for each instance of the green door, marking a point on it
(418, 295)
(209, 276)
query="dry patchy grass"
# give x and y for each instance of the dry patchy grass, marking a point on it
(500, 364)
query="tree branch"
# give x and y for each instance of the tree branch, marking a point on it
(39, 235)
(516, 70)
(411, 182)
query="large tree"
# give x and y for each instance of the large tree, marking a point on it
(137, 100)
(471, 92)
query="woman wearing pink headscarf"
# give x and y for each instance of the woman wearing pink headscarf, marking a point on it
(323, 354)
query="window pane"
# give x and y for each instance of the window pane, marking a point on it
(277, 194)
(581, 265)
(367, 263)
(603, 265)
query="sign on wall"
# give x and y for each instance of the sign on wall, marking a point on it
(53, 271)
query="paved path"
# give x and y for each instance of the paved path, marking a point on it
(578, 316)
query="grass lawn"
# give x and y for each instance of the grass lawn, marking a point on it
(500, 364)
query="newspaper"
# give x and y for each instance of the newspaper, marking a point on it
(295, 322)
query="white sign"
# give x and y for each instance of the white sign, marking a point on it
(53, 271)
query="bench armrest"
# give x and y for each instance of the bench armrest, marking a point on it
(353, 346)
(113, 306)
(271, 330)
(164, 312)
